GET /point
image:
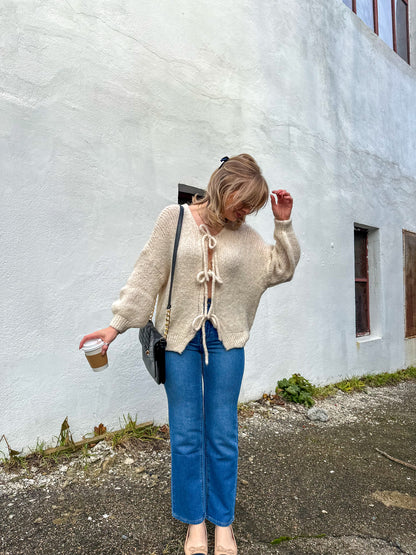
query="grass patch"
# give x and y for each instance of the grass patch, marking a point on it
(66, 447)
(360, 383)
(130, 430)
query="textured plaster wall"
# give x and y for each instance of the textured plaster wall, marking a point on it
(412, 32)
(106, 106)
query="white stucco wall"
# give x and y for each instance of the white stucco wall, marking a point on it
(106, 106)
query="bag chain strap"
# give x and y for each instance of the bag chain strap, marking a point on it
(167, 320)
(175, 250)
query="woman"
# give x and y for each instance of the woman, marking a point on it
(223, 267)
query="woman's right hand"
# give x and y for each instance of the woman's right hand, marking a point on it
(106, 334)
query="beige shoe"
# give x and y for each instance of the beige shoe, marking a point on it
(198, 550)
(219, 550)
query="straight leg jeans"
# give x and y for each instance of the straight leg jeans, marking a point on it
(203, 425)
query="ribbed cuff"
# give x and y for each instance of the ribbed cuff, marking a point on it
(120, 324)
(282, 224)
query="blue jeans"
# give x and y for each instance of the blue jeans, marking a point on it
(203, 425)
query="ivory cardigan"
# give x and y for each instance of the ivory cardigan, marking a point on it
(243, 267)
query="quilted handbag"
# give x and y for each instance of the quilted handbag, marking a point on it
(153, 343)
(153, 351)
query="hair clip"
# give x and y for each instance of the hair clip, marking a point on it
(223, 160)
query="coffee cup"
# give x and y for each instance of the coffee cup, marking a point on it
(92, 349)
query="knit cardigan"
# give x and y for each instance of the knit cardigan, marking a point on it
(243, 267)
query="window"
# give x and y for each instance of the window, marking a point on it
(409, 248)
(387, 18)
(186, 192)
(368, 293)
(362, 293)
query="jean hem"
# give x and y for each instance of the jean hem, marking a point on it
(187, 521)
(218, 522)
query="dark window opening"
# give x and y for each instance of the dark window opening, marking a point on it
(401, 28)
(409, 247)
(362, 305)
(186, 193)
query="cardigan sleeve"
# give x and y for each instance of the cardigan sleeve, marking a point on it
(283, 256)
(151, 271)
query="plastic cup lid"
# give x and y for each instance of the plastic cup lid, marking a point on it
(92, 345)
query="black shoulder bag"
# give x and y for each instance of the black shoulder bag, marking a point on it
(153, 343)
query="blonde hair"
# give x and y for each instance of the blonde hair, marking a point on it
(241, 175)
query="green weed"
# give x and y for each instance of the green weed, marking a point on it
(40, 447)
(289, 538)
(352, 384)
(359, 383)
(296, 389)
(65, 436)
(130, 430)
(66, 447)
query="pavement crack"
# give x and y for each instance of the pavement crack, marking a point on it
(389, 543)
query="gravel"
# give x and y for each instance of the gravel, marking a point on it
(298, 478)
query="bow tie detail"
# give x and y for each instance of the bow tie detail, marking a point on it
(203, 277)
(212, 242)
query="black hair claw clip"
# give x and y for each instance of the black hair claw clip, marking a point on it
(223, 160)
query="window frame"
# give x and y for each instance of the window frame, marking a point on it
(365, 280)
(407, 334)
(393, 22)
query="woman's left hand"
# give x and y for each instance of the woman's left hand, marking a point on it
(282, 207)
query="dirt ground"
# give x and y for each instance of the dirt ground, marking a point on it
(322, 485)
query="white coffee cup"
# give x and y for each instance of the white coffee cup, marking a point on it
(92, 349)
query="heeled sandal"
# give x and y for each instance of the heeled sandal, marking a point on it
(219, 550)
(198, 550)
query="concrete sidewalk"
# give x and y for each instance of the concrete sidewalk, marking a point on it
(296, 478)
